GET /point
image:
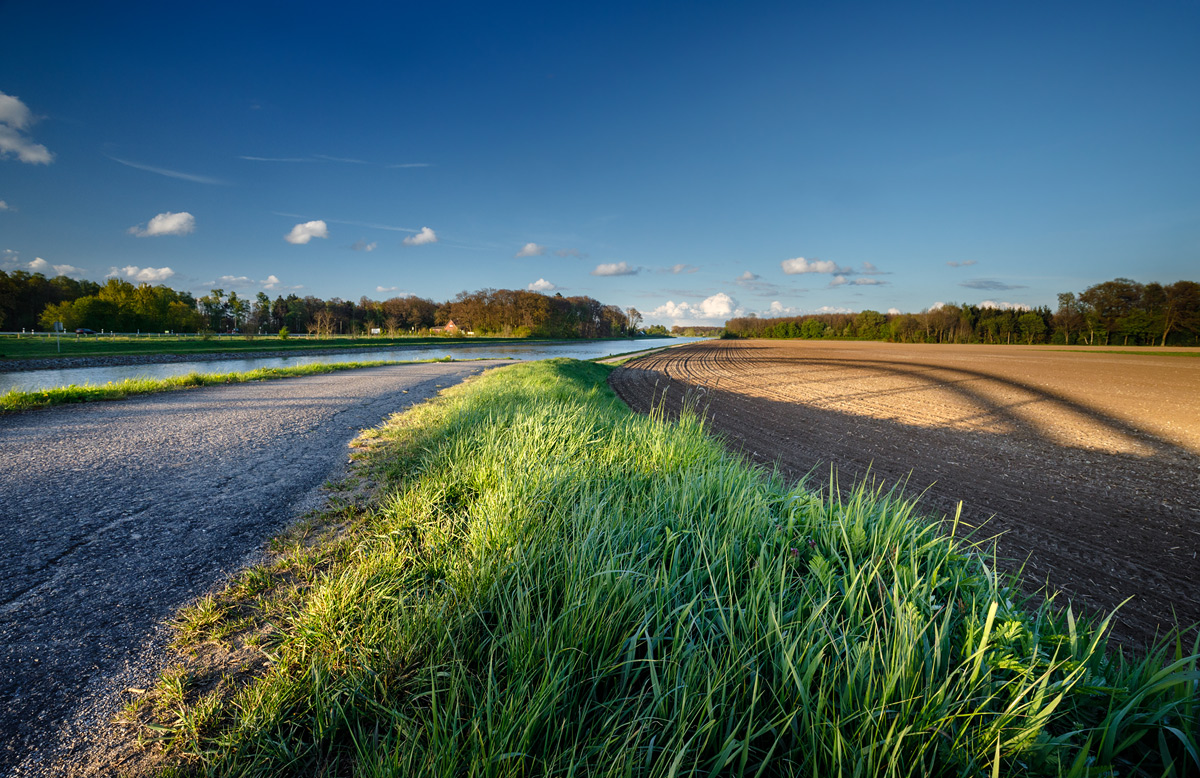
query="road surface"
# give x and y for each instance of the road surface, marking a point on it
(114, 514)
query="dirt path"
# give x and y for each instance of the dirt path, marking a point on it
(1087, 464)
(114, 514)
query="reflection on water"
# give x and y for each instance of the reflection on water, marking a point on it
(47, 379)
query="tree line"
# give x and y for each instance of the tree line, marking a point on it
(1118, 312)
(31, 301)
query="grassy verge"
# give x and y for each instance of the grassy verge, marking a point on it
(16, 400)
(42, 346)
(547, 584)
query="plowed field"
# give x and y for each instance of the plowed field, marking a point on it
(1086, 465)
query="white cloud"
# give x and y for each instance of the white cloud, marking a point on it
(39, 265)
(272, 282)
(615, 269)
(386, 288)
(15, 119)
(802, 265)
(303, 233)
(779, 309)
(966, 263)
(162, 171)
(351, 160)
(411, 164)
(719, 306)
(832, 309)
(4, 206)
(530, 250)
(870, 270)
(894, 311)
(682, 268)
(166, 224)
(1003, 306)
(242, 281)
(937, 306)
(146, 274)
(426, 235)
(541, 285)
(840, 280)
(275, 159)
(362, 245)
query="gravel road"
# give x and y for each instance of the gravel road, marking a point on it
(114, 514)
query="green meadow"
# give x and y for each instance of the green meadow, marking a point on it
(17, 400)
(541, 582)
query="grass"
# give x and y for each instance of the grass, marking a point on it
(547, 584)
(43, 345)
(17, 400)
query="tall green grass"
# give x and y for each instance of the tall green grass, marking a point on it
(556, 586)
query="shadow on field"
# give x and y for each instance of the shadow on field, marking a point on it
(1099, 526)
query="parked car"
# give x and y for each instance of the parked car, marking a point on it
(84, 331)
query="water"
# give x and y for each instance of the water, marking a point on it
(48, 379)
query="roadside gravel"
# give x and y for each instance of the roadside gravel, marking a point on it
(115, 514)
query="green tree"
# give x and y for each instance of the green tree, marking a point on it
(1032, 326)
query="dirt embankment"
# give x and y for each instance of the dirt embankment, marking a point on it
(1086, 465)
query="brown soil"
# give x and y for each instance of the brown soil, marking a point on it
(1086, 465)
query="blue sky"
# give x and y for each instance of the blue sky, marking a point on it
(693, 160)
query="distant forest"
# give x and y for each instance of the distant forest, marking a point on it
(1118, 312)
(30, 301)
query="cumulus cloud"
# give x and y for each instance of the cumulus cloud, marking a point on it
(719, 306)
(570, 253)
(939, 305)
(272, 282)
(966, 263)
(802, 265)
(4, 206)
(681, 267)
(894, 311)
(39, 265)
(1004, 306)
(541, 285)
(235, 281)
(425, 235)
(832, 309)
(148, 275)
(870, 270)
(779, 309)
(362, 245)
(531, 250)
(303, 233)
(747, 276)
(989, 285)
(165, 224)
(386, 288)
(615, 269)
(15, 119)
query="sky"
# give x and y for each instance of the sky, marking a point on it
(696, 161)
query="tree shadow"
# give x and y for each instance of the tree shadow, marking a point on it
(1099, 525)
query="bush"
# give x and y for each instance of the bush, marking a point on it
(284, 333)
